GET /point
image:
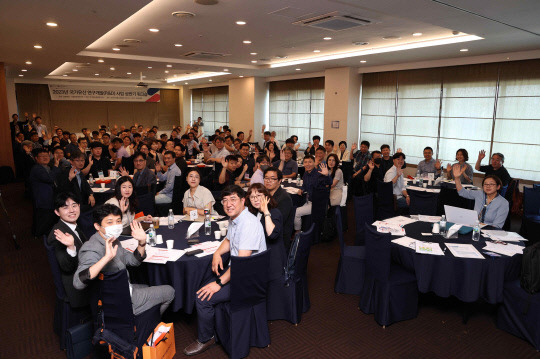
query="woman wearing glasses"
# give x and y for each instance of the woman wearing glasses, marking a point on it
(261, 204)
(491, 207)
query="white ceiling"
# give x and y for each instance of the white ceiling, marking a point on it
(88, 30)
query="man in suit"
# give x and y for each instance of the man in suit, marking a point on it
(143, 176)
(42, 183)
(272, 181)
(67, 239)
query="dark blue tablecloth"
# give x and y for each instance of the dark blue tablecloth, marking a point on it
(298, 200)
(464, 278)
(186, 274)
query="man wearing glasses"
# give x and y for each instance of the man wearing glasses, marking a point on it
(496, 168)
(73, 180)
(272, 181)
(143, 177)
(245, 236)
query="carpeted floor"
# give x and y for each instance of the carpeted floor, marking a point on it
(333, 328)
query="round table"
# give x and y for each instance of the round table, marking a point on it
(446, 194)
(298, 200)
(186, 274)
(464, 278)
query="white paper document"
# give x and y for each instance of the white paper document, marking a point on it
(100, 190)
(130, 244)
(452, 230)
(429, 219)
(506, 249)
(498, 235)
(400, 220)
(193, 227)
(292, 190)
(175, 254)
(158, 333)
(156, 255)
(207, 248)
(461, 250)
(429, 248)
(406, 242)
(393, 229)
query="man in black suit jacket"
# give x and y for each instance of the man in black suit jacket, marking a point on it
(272, 182)
(143, 177)
(73, 180)
(67, 239)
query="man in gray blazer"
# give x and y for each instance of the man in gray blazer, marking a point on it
(143, 177)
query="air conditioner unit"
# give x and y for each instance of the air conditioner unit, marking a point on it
(335, 21)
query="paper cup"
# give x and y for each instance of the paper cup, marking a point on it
(103, 185)
(170, 243)
(289, 180)
(424, 185)
(224, 232)
(436, 228)
(217, 234)
(159, 239)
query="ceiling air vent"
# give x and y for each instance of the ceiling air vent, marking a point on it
(334, 21)
(204, 55)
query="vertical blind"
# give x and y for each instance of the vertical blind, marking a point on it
(494, 107)
(212, 104)
(297, 108)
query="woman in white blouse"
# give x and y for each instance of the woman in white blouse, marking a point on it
(197, 197)
(336, 189)
(343, 153)
(125, 199)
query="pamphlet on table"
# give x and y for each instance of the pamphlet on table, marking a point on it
(498, 235)
(461, 250)
(507, 249)
(406, 242)
(429, 248)
(393, 229)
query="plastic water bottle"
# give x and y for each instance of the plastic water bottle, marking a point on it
(152, 236)
(298, 179)
(419, 177)
(171, 219)
(207, 223)
(442, 225)
(476, 231)
(91, 180)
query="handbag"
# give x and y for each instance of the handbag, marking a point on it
(119, 348)
(79, 340)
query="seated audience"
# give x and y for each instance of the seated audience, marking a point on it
(154, 152)
(58, 160)
(313, 179)
(289, 143)
(286, 164)
(386, 161)
(101, 165)
(197, 197)
(395, 175)
(168, 176)
(373, 173)
(270, 150)
(495, 168)
(320, 153)
(343, 153)
(362, 157)
(219, 154)
(245, 236)
(272, 181)
(73, 180)
(67, 239)
(246, 159)
(261, 204)
(103, 253)
(143, 177)
(310, 150)
(492, 208)
(336, 188)
(462, 156)
(262, 163)
(150, 163)
(329, 148)
(179, 152)
(429, 165)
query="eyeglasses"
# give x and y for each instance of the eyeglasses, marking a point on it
(255, 196)
(490, 184)
(270, 179)
(232, 200)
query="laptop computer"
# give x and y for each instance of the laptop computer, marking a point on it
(466, 217)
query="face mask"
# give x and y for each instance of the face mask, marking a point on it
(264, 167)
(113, 231)
(377, 161)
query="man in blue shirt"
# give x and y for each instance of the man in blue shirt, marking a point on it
(362, 157)
(245, 236)
(165, 195)
(313, 179)
(286, 164)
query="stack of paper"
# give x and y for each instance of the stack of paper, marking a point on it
(175, 254)
(400, 220)
(207, 248)
(156, 255)
(429, 248)
(292, 190)
(429, 219)
(100, 190)
(393, 229)
(498, 235)
(464, 250)
(406, 242)
(506, 249)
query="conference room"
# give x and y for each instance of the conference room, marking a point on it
(317, 179)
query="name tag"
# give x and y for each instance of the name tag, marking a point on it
(193, 215)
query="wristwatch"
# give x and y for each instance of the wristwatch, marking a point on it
(218, 281)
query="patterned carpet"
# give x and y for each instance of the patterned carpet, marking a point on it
(333, 328)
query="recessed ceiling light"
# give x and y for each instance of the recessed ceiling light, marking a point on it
(149, 67)
(52, 24)
(21, 75)
(246, 42)
(417, 34)
(169, 65)
(96, 74)
(153, 30)
(166, 71)
(116, 49)
(210, 80)
(464, 50)
(298, 69)
(253, 61)
(241, 76)
(75, 70)
(112, 69)
(28, 62)
(128, 73)
(327, 38)
(38, 47)
(64, 75)
(225, 70)
(316, 50)
(178, 45)
(186, 83)
(253, 53)
(24, 70)
(240, 23)
(100, 60)
(363, 61)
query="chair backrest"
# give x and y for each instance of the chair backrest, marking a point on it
(249, 280)
(302, 252)
(509, 195)
(147, 203)
(178, 194)
(55, 269)
(319, 204)
(385, 200)
(423, 202)
(113, 289)
(378, 253)
(363, 211)
(531, 201)
(339, 228)
(127, 163)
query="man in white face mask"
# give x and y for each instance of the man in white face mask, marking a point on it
(103, 253)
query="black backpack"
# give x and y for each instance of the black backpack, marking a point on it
(530, 269)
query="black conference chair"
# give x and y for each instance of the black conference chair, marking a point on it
(241, 323)
(423, 202)
(113, 291)
(351, 266)
(65, 317)
(386, 207)
(530, 222)
(176, 205)
(289, 298)
(509, 196)
(519, 313)
(319, 207)
(389, 291)
(363, 213)
(127, 164)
